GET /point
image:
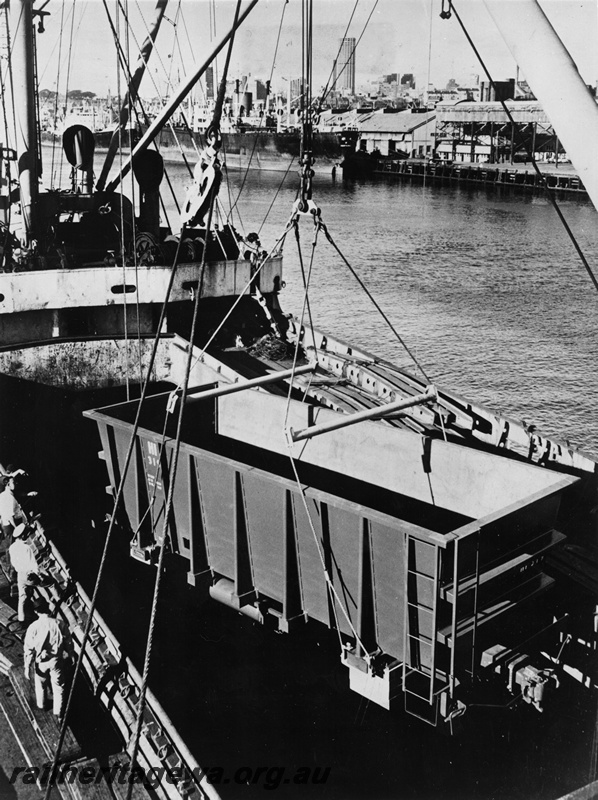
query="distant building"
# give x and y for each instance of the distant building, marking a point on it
(344, 67)
(296, 89)
(482, 132)
(406, 133)
(210, 83)
(498, 90)
(407, 81)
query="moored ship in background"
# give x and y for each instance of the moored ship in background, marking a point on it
(256, 148)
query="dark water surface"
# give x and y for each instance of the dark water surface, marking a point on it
(489, 295)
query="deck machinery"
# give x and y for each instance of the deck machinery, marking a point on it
(426, 551)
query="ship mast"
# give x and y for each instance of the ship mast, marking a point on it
(23, 73)
(160, 121)
(306, 157)
(132, 93)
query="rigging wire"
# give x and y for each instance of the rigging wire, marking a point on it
(301, 207)
(550, 194)
(186, 29)
(333, 595)
(274, 252)
(429, 72)
(128, 73)
(280, 185)
(268, 85)
(177, 38)
(367, 22)
(3, 77)
(161, 97)
(122, 221)
(68, 69)
(374, 301)
(72, 11)
(332, 592)
(134, 222)
(112, 522)
(335, 62)
(171, 61)
(306, 278)
(215, 126)
(11, 76)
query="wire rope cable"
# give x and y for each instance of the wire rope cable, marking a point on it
(8, 211)
(374, 301)
(272, 254)
(177, 444)
(112, 521)
(133, 234)
(268, 85)
(352, 53)
(325, 91)
(62, 23)
(139, 104)
(122, 219)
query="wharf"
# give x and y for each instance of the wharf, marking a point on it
(521, 177)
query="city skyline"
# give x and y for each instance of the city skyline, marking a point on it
(343, 76)
(402, 36)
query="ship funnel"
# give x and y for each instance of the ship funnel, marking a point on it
(148, 168)
(78, 143)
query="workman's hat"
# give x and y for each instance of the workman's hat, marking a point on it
(40, 606)
(19, 530)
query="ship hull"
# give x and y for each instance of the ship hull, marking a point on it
(263, 150)
(258, 150)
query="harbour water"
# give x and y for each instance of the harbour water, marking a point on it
(485, 288)
(489, 295)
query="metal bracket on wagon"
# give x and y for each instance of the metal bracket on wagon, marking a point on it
(522, 678)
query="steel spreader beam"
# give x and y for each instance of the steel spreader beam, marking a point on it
(370, 413)
(273, 377)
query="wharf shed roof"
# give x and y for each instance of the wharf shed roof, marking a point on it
(401, 122)
(522, 111)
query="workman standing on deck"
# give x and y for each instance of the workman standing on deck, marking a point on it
(48, 644)
(10, 471)
(11, 513)
(25, 565)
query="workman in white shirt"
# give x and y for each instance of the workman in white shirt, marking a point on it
(11, 513)
(48, 645)
(25, 565)
(10, 471)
